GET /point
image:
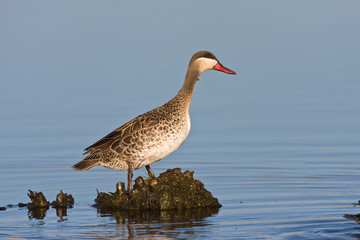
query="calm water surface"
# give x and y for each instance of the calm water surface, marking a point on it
(293, 188)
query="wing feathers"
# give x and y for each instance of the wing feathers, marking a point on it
(124, 133)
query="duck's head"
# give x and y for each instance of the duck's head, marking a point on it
(205, 60)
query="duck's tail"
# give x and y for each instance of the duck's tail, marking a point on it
(85, 164)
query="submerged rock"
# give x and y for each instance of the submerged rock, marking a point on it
(63, 200)
(172, 190)
(21, 205)
(355, 218)
(61, 204)
(38, 205)
(38, 200)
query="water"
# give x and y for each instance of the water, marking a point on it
(293, 189)
(278, 144)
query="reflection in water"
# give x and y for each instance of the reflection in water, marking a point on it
(38, 213)
(61, 213)
(154, 223)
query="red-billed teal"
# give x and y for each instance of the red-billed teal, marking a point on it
(154, 135)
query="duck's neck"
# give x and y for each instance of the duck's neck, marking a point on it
(184, 96)
(190, 80)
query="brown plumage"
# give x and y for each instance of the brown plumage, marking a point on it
(153, 135)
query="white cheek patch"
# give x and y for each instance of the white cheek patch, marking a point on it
(205, 63)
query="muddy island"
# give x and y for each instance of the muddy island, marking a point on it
(171, 190)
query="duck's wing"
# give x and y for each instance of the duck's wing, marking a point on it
(124, 132)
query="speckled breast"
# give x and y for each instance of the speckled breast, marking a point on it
(160, 141)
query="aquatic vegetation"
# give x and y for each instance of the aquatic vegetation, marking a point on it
(63, 200)
(38, 200)
(39, 205)
(172, 190)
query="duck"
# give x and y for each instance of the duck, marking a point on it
(153, 135)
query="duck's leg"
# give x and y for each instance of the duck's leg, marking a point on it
(150, 172)
(129, 188)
